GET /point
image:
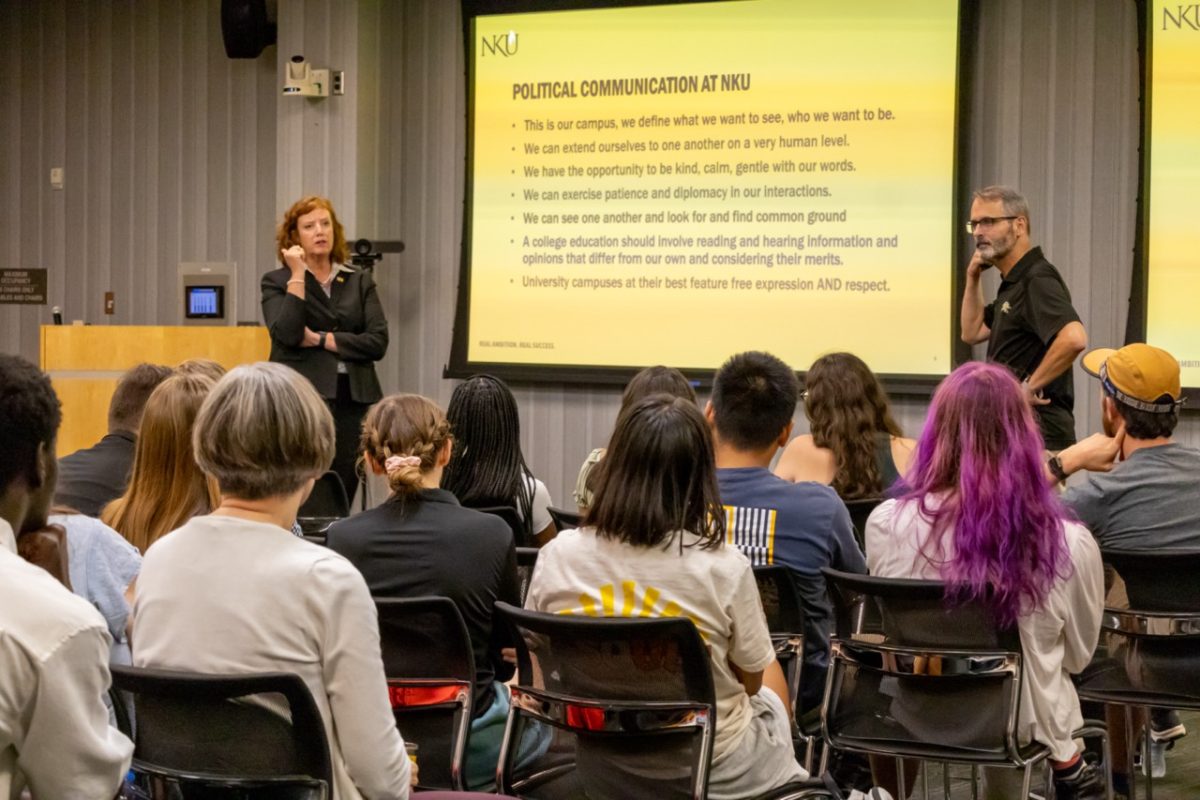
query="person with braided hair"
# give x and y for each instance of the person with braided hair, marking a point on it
(422, 542)
(488, 468)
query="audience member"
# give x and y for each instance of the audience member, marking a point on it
(487, 467)
(102, 565)
(803, 526)
(1148, 500)
(651, 380)
(653, 543)
(977, 513)
(855, 445)
(166, 488)
(421, 542)
(55, 739)
(234, 591)
(89, 479)
(201, 366)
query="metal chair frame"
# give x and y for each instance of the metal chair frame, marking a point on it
(165, 780)
(570, 713)
(910, 661)
(641, 717)
(462, 702)
(789, 648)
(1136, 624)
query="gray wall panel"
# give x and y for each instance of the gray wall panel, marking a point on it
(166, 153)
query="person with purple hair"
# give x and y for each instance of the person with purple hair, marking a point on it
(976, 512)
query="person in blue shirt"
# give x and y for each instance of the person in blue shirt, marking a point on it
(804, 526)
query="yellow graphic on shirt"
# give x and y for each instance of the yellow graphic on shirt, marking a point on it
(633, 603)
(752, 531)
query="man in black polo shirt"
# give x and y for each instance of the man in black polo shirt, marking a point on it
(1031, 327)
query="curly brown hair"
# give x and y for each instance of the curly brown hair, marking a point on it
(286, 236)
(847, 409)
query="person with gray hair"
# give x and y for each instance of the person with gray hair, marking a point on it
(236, 592)
(1031, 327)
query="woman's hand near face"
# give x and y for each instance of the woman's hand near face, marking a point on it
(294, 257)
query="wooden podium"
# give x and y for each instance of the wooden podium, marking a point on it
(86, 361)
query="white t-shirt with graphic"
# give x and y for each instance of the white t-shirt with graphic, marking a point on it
(581, 573)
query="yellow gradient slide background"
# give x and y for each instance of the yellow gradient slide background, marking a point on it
(822, 55)
(1173, 320)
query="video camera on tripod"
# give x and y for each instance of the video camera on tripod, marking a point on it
(368, 253)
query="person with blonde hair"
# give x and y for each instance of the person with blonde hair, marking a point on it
(421, 542)
(235, 592)
(201, 366)
(326, 321)
(166, 488)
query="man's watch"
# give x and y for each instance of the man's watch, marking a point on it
(1056, 468)
(321, 340)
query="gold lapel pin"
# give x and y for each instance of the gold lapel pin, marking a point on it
(341, 279)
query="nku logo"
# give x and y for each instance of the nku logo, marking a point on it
(500, 44)
(1185, 17)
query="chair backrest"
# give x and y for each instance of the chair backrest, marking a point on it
(1153, 647)
(859, 511)
(785, 620)
(944, 682)
(328, 498)
(430, 671)
(630, 701)
(564, 520)
(780, 598)
(517, 525)
(526, 561)
(1158, 580)
(193, 733)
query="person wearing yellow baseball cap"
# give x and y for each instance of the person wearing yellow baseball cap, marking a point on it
(1146, 501)
(1147, 498)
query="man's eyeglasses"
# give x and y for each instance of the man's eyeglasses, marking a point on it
(983, 222)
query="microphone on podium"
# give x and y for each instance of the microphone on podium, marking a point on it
(57, 312)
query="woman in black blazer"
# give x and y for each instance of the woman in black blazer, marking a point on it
(326, 321)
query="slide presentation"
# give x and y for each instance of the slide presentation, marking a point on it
(1172, 175)
(673, 184)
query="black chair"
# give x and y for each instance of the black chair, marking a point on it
(944, 685)
(526, 561)
(784, 610)
(785, 616)
(1152, 652)
(859, 511)
(326, 504)
(564, 520)
(509, 514)
(629, 701)
(196, 737)
(430, 671)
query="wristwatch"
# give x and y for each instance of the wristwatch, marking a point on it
(321, 340)
(1056, 468)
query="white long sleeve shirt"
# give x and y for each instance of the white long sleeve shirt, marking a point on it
(227, 595)
(1058, 639)
(54, 733)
